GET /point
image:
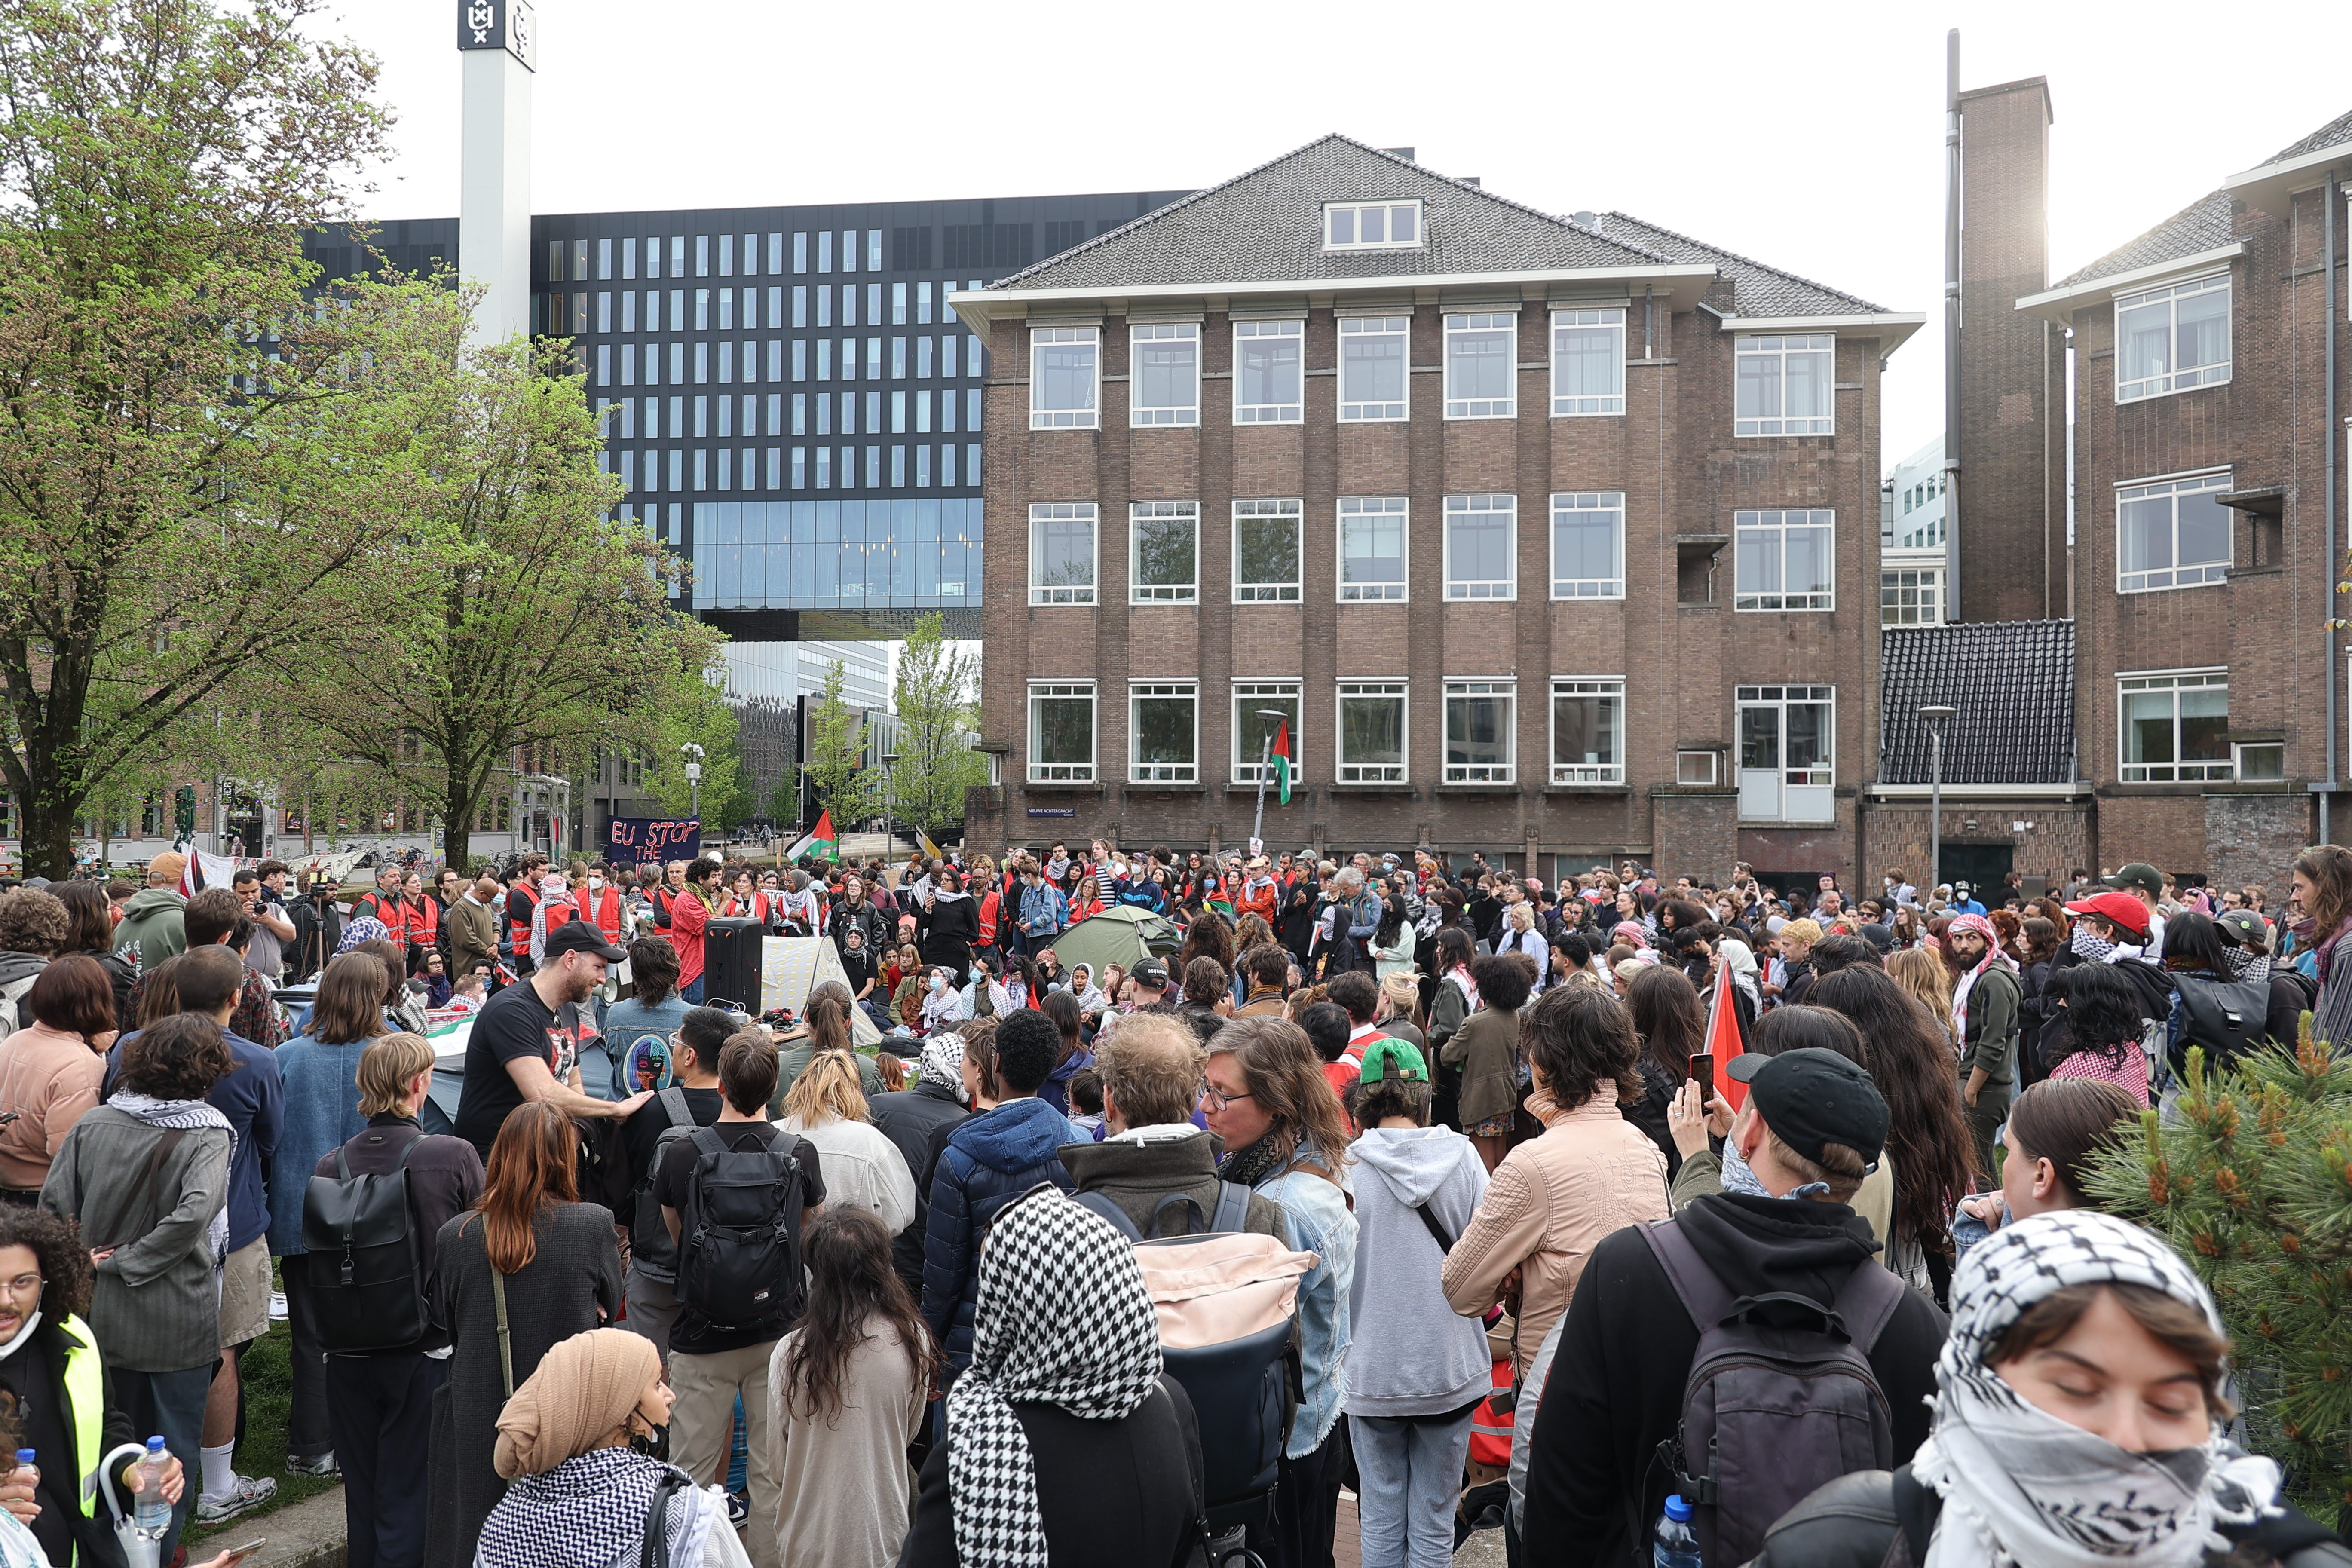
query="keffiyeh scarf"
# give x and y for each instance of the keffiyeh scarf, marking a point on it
(552, 890)
(943, 1064)
(365, 927)
(1993, 955)
(186, 1115)
(589, 1513)
(2022, 1486)
(2247, 965)
(1062, 1318)
(2098, 949)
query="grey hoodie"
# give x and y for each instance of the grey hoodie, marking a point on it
(1411, 1355)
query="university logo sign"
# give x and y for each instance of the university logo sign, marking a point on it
(509, 25)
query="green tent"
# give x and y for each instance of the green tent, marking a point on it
(1117, 936)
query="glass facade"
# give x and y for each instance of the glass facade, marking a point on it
(880, 555)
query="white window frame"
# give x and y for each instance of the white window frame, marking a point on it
(1353, 223)
(1503, 773)
(1822, 776)
(1140, 772)
(2181, 575)
(1042, 339)
(1357, 506)
(1464, 325)
(1360, 328)
(1066, 690)
(2165, 384)
(1394, 772)
(1483, 591)
(1688, 777)
(1178, 414)
(2273, 772)
(1586, 404)
(1063, 593)
(1288, 593)
(1567, 505)
(1777, 347)
(1138, 591)
(1248, 731)
(1294, 331)
(2137, 682)
(1755, 527)
(1926, 591)
(1608, 689)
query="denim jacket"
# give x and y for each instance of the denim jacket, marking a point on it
(1320, 1222)
(1043, 911)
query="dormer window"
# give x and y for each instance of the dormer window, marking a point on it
(1372, 226)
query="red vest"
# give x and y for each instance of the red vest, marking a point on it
(603, 906)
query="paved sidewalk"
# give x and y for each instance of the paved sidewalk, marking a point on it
(306, 1534)
(1483, 1550)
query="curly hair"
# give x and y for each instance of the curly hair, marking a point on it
(1503, 982)
(1582, 1039)
(34, 922)
(65, 1262)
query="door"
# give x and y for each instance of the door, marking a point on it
(1980, 866)
(1759, 763)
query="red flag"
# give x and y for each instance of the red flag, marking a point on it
(1723, 1037)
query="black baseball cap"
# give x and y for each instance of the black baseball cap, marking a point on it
(2243, 927)
(1149, 972)
(1812, 1097)
(2137, 873)
(581, 936)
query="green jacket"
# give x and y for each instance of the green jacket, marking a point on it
(153, 927)
(1991, 1042)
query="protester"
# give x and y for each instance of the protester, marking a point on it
(690, 911)
(691, 1100)
(1286, 1136)
(1072, 1058)
(863, 1169)
(152, 929)
(581, 1495)
(2321, 903)
(51, 1070)
(2102, 1014)
(146, 1177)
(526, 1268)
(847, 1391)
(1985, 1021)
(2080, 1417)
(2055, 1129)
(524, 1044)
(1416, 1372)
(1672, 1025)
(917, 1119)
(1486, 1048)
(90, 931)
(380, 1403)
(1064, 1443)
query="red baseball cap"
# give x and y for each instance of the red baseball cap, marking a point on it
(2121, 908)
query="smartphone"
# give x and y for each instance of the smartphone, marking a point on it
(1702, 1070)
(237, 1554)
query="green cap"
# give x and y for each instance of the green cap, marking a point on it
(1383, 1053)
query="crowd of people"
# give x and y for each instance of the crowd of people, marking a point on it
(1520, 1218)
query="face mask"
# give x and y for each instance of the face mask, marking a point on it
(596, 884)
(938, 982)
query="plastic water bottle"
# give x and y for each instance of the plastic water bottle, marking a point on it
(1676, 1543)
(24, 1474)
(152, 1516)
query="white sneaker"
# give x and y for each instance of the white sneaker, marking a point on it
(251, 1491)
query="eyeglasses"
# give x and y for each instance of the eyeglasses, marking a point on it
(1216, 1098)
(23, 1285)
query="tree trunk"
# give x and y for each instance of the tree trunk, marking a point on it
(47, 810)
(458, 825)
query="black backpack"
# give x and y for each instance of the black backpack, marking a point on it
(366, 1275)
(651, 1251)
(1770, 1411)
(739, 1262)
(2227, 1017)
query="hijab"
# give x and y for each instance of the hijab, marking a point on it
(2022, 1486)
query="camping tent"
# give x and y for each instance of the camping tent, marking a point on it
(793, 966)
(1117, 936)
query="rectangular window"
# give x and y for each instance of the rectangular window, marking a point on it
(1480, 731)
(800, 468)
(1164, 379)
(899, 466)
(776, 254)
(1165, 552)
(1910, 597)
(948, 356)
(923, 302)
(947, 463)
(1482, 547)
(800, 252)
(775, 469)
(1372, 548)
(849, 250)
(1062, 552)
(898, 305)
(702, 468)
(1481, 365)
(872, 467)
(702, 415)
(897, 359)
(1064, 369)
(898, 413)
(1371, 732)
(972, 463)
(1588, 544)
(1588, 363)
(1784, 559)
(727, 308)
(824, 250)
(1260, 709)
(1372, 352)
(702, 256)
(1164, 730)
(1268, 370)
(1265, 551)
(1788, 751)
(727, 256)
(922, 467)
(922, 413)
(873, 304)
(653, 309)
(1588, 730)
(2173, 534)
(1372, 226)
(1785, 385)
(800, 413)
(874, 359)
(1696, 768)
(2176, 727)
(629, 257)
(677, 255)
(922, 359)
(604, 364)
(873, 250)
(604, 309)
(555, 251)
(1061, 732)
(823, 358)
(2172, 339)
(628, 310)
(702, 364)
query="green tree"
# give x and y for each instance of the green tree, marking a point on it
(836, 769)
(185, 455)
(939, 720)
(695, 711)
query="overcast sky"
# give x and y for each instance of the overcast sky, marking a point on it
(1809, 136)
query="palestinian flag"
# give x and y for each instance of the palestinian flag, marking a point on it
(820, 840)
(1723, 1041)
(1281, 758)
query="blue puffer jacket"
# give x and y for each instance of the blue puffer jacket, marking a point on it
(991, 1159)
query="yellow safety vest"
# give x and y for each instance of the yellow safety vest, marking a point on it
(85, 1391)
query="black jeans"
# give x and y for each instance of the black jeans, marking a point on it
(381, 1415)
(1306, 1507)
(307, 1432)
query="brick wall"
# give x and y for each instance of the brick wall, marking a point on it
(2057, 839)
(2254, 839)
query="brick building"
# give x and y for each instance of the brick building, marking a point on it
(1552, 537)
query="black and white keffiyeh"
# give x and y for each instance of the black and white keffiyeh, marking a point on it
(2023, 1487)
(186, 1115)
(1062, 1318)
(589, 1512)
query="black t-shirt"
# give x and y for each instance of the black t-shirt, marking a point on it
(514, 1022)
(693, 1332)
(859, 966)
(650, 1120)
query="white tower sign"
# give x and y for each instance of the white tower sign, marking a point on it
(499, 40)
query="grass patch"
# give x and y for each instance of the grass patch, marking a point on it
(268, 1375)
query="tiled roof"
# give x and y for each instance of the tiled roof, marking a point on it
(2014, 683)
(1762, 291)
(2204, 225)
(2335, 133)
(1265, 226)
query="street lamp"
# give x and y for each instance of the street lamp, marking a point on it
(1265, 755)
(1936, 713)
(693, 755)
(889, 761)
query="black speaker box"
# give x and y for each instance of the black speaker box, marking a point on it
(730, 963)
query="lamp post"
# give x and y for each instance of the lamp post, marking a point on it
(1265, 755)
(1936, 713)
(693, 755)
(889, 761)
